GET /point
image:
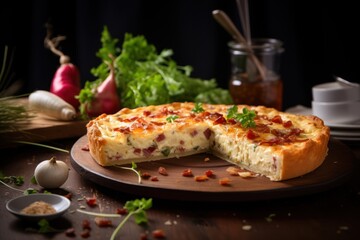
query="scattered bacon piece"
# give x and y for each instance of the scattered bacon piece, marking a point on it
(210, 173)
(85, 147)
(70, 232)
(187, 173)
(158, 233)
(86, 224)
(103, 222)
(68, 195)
(201, 178)
(224, 181)
(154, 179)
(121, 211)
(162, 171)
(145, 175)
(143, 236)
(85, 233)
(91, 201)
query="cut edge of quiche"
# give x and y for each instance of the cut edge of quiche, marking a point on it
(281, 146)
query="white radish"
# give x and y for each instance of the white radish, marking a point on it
(51, 105)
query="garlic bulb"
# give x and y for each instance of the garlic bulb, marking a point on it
(51, 173)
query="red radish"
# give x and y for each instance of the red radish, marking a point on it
(106, 98)
(66, 81)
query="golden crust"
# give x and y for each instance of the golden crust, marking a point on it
(304, 153)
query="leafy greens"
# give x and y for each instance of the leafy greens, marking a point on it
(146, 77)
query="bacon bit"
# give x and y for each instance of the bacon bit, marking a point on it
(154, 179)
(121, 211)
(180, 149)
(187, 173)
(103, 222)
(220, 120)
(251, 134)
(86, 224)
(146, 113)
(207, 133)
(182, 142)
(162, 171)
(85, 233)
(277, 119)
(91, 201)
(193, 133)
(158, 233)
(137, 151)
(160, 138)
(145, 175)
(143, 236)
(206, 159)
(224, 181)
(201, 178)
(287, 124)
(210, 173)
(148, 151)
(85, 148)
(245, 174)
(70, 232)
(68, 196)
(233, 171)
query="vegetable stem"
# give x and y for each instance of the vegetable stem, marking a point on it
(11, 187)
(43, 145)
(99, 214)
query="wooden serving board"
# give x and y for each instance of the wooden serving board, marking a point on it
(332, 172)
(41, 128)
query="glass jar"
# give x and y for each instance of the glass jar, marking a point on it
(255, 77)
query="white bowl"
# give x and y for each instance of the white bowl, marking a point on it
(335, 92)
(60, 203)
(337, 112)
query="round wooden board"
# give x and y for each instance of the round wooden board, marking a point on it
(336, 167)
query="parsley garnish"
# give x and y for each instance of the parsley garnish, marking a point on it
(246, 118)
(135, 208)
(198, 108)
(172, 118)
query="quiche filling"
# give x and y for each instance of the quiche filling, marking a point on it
(175, 130)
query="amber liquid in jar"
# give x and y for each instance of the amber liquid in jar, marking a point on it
(265, 93)
(256, 83)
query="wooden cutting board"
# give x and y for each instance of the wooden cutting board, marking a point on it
(336, 169)
(41, 128)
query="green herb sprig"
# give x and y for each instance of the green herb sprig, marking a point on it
(172, 118)
(246, 118)
(198, 108)
(136, 208)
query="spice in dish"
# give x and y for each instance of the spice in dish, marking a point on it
(39, 208)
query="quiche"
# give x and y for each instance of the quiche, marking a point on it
(268, 142)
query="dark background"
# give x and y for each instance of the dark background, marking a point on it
(319, 37)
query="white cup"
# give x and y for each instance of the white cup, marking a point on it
(337, 112)
(336, 102)
(335, 92)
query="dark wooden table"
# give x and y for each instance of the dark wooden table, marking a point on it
(330, 214)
